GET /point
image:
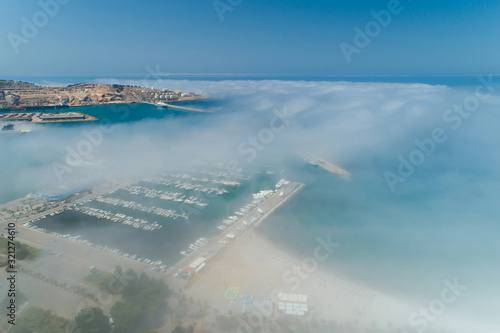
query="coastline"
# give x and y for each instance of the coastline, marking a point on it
(259, 267)
(54, 107)
(70, 114)
(252, 262)
(23, 96)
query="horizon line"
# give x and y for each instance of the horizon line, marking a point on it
(249, 75)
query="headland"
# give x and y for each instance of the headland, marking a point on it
(24, 96)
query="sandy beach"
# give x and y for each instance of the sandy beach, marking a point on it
(257, 267)
(260, 268)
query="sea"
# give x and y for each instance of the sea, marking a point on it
(449, 80)
(405, 244)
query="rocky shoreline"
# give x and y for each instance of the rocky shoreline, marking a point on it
(17, 95)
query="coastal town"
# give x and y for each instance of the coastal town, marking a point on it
(29, 103)
(24, 96)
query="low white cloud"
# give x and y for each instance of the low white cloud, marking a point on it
(362, 126)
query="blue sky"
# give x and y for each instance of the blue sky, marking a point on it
(256, 37)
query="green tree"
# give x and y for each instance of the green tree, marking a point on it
(143, 305)
(22, 251)
(92, 320)
(179, 329)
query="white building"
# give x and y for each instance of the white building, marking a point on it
(292, 304)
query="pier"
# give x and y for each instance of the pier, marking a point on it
(251, 220)
(46, 117)
(185, 108)
(207, 249)
(332, 168)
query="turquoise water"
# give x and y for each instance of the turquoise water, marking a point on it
(130, 113)
(27, 151)
(442, 223)
(175, 235)
(403, 244)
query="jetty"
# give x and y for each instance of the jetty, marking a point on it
(251, 220)
(332, 168)
(185, 108)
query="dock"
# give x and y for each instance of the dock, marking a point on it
(325, 165)
(332, 168)
(209, 250)
(251, 220)
(46, 117)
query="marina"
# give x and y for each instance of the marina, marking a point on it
(200, 200)
(35, 212)
(135, 206)
(165, 195)
(197, 187)
(117, 217)
(46, 117)
(266, 203)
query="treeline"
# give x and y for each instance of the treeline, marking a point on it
(142, 308)
(22, 251)
(119, 87)
(143, 305)
(248, 322)
(81, 291)
(181, 329)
